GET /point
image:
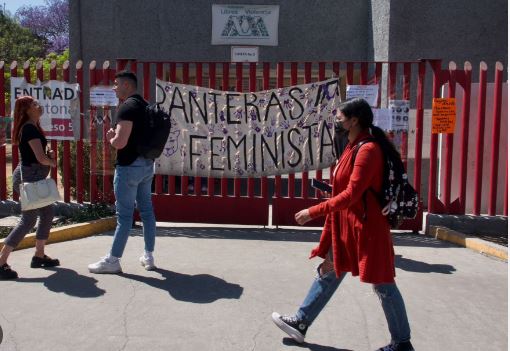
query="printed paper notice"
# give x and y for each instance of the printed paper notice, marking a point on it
(399, 115)
(443, 115)
(367, 92)
(103, 96)
(382, 118)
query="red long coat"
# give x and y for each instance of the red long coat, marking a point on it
(362, 247)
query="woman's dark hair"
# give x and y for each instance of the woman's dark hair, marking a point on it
(360, 109)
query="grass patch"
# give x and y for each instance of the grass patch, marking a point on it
(4, 231)
(88, 213)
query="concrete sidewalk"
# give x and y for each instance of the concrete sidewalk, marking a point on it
(216, 287)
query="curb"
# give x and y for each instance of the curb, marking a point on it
(469, 241)
(70, 232)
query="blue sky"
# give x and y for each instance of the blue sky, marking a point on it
(13, 5)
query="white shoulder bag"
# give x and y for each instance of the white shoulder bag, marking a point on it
(37, 194)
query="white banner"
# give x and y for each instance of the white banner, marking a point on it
(229, 134)
(245, 24)
(60, 102)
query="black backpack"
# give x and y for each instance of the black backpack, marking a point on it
(154, 132)
(398, 199)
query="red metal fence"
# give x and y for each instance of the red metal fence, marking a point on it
(247, 201)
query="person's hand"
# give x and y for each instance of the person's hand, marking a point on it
(51, 154)
(303, 216)
(110, 134)
(326, 267)
(53, 163)
(324, 194)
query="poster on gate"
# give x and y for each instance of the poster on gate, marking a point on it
(399, 115)
(382, 118)
(229, 134)
(60, 103)
(443, 115)
(100, 96)
(367, 92)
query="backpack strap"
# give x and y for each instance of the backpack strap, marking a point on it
(353, 159)
(358, 146)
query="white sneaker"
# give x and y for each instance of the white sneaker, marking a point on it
(147, 261)
(107, 264)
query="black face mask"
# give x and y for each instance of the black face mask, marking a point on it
(340, 131)
(340, 139)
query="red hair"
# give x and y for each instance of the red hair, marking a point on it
(21, 107)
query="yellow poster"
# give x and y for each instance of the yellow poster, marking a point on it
(443, 115)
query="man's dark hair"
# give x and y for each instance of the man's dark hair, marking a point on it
(129, 76)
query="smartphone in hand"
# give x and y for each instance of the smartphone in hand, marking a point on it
(322, 186)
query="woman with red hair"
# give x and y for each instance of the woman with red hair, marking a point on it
(35, 165)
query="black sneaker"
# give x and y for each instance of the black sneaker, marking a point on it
(292, 326)
(38, 262)
(7, 273)
(401, 346)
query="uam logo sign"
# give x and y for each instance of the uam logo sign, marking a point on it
(245, 24)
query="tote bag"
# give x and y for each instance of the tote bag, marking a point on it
(38, 194)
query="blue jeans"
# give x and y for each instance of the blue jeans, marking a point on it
(394, 311)
(133, 184)
(325, 286)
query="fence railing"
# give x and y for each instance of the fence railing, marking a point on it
(460, 165)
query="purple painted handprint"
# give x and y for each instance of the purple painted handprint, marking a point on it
(172, 144)
(269, 131)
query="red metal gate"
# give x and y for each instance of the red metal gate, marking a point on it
(248, 201)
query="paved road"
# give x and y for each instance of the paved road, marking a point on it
(216, 288)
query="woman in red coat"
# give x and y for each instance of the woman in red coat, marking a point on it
(356, 234)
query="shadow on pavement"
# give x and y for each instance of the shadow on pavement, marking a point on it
(310, 346)
(69, 282)
(410, 265)
(270, 234)
(200, 288)
(233, 233)
(419, 240)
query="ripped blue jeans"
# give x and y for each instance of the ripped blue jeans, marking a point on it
(325, 285)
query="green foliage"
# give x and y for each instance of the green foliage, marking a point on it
(86, 169)
(18, 43)
(89, 212)
(4, 231)
(46, 65)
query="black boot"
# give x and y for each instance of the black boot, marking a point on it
(401, 346)
(7, 273)
(38, 262)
